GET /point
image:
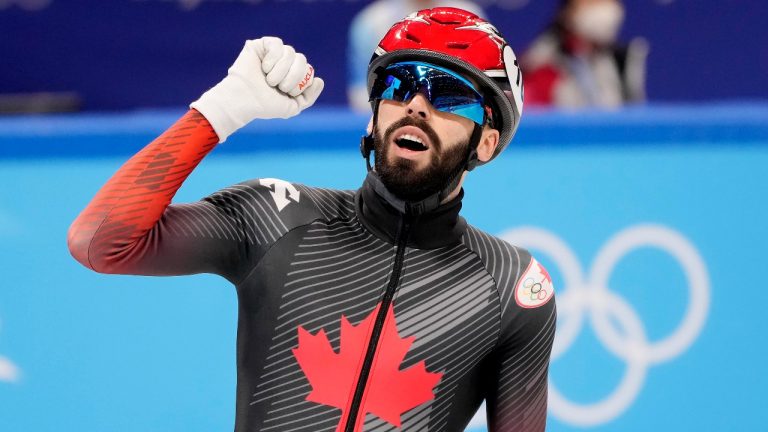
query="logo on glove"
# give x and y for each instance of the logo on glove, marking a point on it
(307, 78)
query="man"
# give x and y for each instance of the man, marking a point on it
(579, 62)
(376, 309)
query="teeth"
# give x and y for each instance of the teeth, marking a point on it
(411, 138)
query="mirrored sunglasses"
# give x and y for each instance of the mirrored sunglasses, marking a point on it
(446, 90)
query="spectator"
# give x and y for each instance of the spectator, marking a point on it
(367, 29)
(578, 62)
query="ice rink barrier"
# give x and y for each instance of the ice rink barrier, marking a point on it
(651, 221)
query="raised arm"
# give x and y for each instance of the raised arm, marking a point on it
(129, 227)
(114, 227)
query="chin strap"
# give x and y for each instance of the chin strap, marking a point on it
(366, 142)
(474, 141)
(469, 164)
(433, 201)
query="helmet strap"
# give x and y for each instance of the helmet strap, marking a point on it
(469, 164)
(474, 141)
(366, 142)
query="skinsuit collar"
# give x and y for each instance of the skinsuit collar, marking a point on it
(433, 225)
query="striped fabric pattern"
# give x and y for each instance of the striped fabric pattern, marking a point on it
(122, 213)
(451, 299)
(306, 253)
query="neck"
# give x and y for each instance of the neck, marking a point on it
(434, 223)
(456, 191)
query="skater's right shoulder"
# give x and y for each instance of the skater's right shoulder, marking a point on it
(278, 196)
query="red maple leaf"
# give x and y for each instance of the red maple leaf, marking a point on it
(389, 393)
(545, 273)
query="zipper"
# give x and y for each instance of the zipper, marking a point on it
(386, 301)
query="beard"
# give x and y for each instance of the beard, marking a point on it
(403, 178)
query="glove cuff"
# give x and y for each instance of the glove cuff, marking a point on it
(225, 106)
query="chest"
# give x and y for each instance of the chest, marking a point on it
(333, 307)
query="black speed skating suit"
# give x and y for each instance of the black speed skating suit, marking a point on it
(352, 315)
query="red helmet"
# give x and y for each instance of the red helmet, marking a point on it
(467, 44)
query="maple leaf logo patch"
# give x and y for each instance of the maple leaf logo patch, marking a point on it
(390, 392)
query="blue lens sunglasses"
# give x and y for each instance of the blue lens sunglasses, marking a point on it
(446, 90)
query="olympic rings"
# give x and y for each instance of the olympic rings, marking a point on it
(590, 296)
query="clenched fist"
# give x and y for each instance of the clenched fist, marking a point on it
(268, 80)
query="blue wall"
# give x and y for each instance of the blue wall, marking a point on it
(667, 203)
(127, 53)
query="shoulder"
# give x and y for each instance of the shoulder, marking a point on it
(279, 205)
(523, 283)
(331, 203)
(503, 260)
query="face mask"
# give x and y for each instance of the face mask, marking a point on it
(599, 22)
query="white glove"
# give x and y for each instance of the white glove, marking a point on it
(268, 80)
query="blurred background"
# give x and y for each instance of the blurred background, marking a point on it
(638, 177)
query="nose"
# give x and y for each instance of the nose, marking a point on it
(419, 107)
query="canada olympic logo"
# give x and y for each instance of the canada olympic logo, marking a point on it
(590, 297)
(534, 290)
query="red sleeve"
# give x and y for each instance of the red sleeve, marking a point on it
(117, 224)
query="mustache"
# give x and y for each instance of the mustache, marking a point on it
(421, 124)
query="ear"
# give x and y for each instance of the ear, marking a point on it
(489, 140)
(369, 128)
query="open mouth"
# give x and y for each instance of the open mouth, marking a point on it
(410, 142)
